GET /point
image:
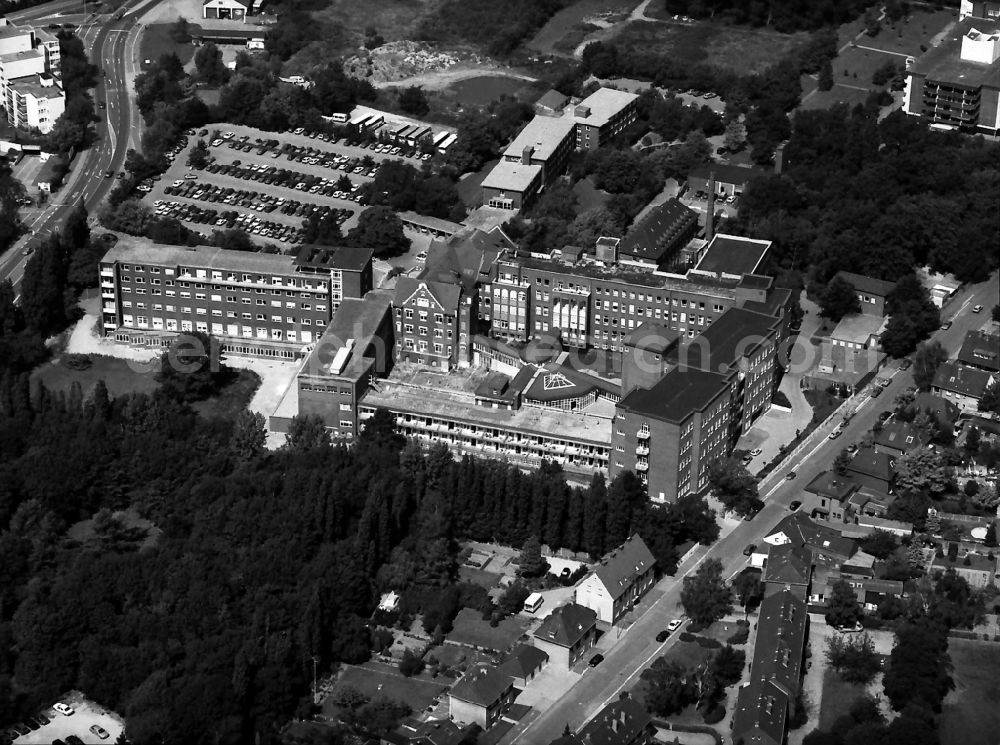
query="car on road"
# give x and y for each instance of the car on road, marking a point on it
(99, 731)
(835, 434)
(794, 505)
(109, 174)
(877, 391)
(790, 475)
(853, 448)
(748, 551)
(946, 325)
(102, 105)
(662, 636)
(596, 660)
(65, 709)
(28, 251)
(977, 308)
(746, 459)
(755, 452)
(674, 625)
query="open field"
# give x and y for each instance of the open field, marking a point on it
(971, 713)
(564, 31)
(120, 376)
(480, 91)
(392, 19)
(417, 692)
(471, 629)
(745, 50)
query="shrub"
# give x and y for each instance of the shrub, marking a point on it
(694, 627)
(708, 643)
(740, 637)
(687, 637)
(715, 714)
(77, 361)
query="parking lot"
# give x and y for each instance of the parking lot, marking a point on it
(268, 183)
(86, 715)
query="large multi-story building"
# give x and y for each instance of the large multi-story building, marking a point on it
(715, 387)
(539, 153)
(592, 303)
(660, 237)
(602, 115)
(257, 304)
(988, 9)
(956, 85)
(352, 353)
(30, 89)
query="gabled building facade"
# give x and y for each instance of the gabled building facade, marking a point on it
(619, 581)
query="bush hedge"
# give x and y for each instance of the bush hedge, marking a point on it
(715, 714)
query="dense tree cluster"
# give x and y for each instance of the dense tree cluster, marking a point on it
(11, 194)
(878, 198)
(204, 630)
(74, 128)
(499, 28)
(404, 187)
(782, 15)
(481, 134)
(734, 486)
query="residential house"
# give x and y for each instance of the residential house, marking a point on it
(619, 581)
(868, 502)
(622, 722)
(897, 437)
(981, 350)
(833, 492)
(828, 546)
(523, 662)
(870, 591)
(566, 634)
(765, 705)
(431, 732)
(961, 385)
(481, 696)
(874, 469)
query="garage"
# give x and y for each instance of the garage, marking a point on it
(226, 10)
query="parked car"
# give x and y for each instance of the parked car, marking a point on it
(596, 660)
(674, 625)
(755, 452)
(835, 434)
(905, 363)
(794, 505)
(662, 636)
(977, 308)
(99, 731)
(748, 551)
(877, 391)
(64, 709)
(790, 475)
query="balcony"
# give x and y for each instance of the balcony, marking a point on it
(110, 308)
(642, 434)
(642, 450)
(642, 466)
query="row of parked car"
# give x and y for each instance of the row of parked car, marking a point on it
(37, 721)
(250, 224)
(251, 199)
(402, 150)
(299, 154)
(272, 175)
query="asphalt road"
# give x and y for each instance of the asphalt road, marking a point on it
(637, 648)
(111, 44)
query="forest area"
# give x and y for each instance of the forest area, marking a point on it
(202, 627)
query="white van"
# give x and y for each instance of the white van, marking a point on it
(533, 602)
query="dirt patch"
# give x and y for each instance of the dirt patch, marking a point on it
(399, 61)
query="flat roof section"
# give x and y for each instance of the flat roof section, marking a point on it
(604, 104)
(677, 395)
(356, 321)
(452, 396)
(351, 258)
(132, 250)
(733, 255)
(544, 134)
(944, 63)
(515, 177)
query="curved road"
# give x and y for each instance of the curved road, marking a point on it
(112, 46)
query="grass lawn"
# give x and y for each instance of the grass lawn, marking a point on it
(489, 580)
(746, 50)
(838, 695)
(907, 36)
(823, 403)
(472, 630)
(470, 187)
(232, 399)
(120, 376)
(556, 35)
(453, 655)
(721, 630)
(417, 692)
(971, 714)
(156, 42)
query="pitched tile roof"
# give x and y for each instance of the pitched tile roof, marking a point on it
(619, 723)
(567, 625)
(901, 436)
(659, 231)
(870, 285)
(619, 570)
(966, 381)
(482, 684)
(445, 294)
(523, 660)
(800, 530)
(982, 350)
(869, 462)
(788, 564)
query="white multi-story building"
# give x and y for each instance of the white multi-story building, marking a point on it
(30, 89)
